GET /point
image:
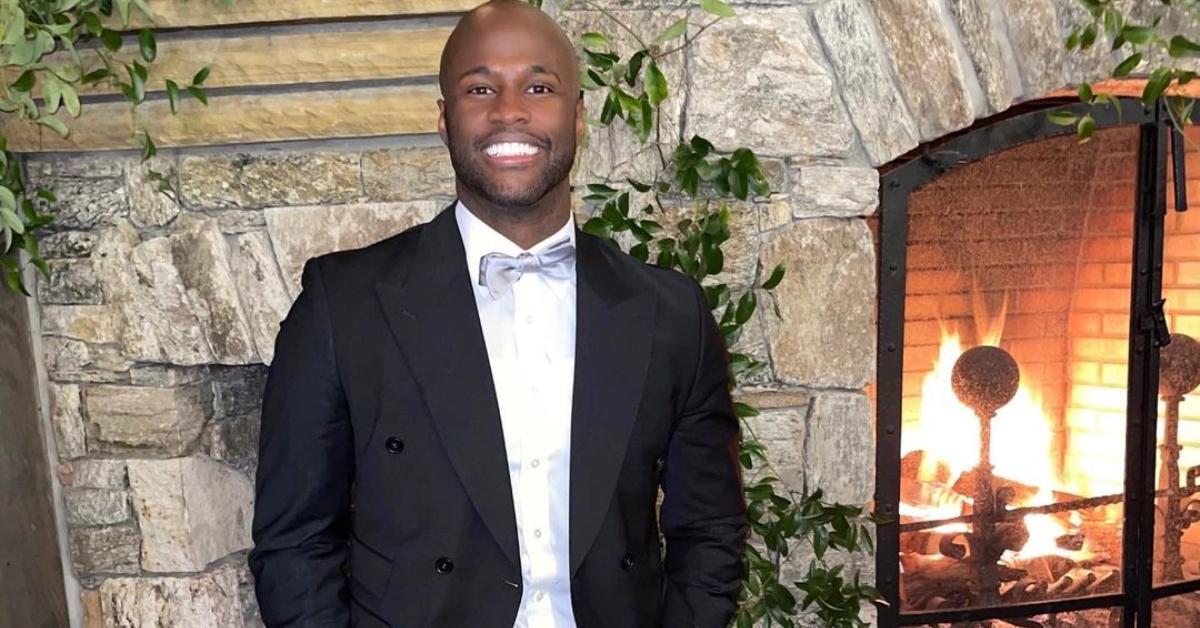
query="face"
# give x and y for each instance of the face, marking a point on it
(511, 114)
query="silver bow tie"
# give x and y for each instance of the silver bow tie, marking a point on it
(498, 272)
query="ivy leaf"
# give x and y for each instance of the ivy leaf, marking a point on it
(774, 279)
(173, 95)
(111, 40)
(656, 84)
(147, 45)
(54, 124)
(94, 76)
(1159, 80)
(52, 93)
(745, 307)
(1088, 37)
(717, 8)
(611, 107)
(201, 76)
(595, 41)
(1062, 117)
(1181, 46)
(25, 82)
(673, 31)
(198, 94)
(635, 66)
(1137, 35)
(1086, 128)
(1125, 67)
(92, 23)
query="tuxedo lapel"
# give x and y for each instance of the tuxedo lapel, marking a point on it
(433, 317)
(612, 351)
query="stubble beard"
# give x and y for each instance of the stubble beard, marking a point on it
(471, 172)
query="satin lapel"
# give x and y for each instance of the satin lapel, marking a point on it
(433, 317)
(614, 324)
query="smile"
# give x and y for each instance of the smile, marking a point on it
(512, 153)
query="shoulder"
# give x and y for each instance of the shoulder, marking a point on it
(678, 295)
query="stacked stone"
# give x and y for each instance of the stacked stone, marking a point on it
(157, 326)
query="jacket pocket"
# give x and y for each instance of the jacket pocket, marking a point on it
(369, 569)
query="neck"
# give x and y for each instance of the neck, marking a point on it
(524, 226)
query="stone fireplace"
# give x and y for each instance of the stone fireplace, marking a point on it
(1013, 235)
(157, 326)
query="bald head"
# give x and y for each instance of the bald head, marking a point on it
(504, 19)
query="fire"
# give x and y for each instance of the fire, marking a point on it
(948, 434)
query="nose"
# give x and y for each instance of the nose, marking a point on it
(509, 108)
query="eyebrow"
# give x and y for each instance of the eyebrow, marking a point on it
(483, 69)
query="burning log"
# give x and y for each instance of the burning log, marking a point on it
(1047, 568)
(1020, 492)
(956, 582)
(1073, 542)
(1026, 589)
(912, 463)
(933, 542)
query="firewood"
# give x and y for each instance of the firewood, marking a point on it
(1021, 493)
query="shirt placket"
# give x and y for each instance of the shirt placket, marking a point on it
(535, 451)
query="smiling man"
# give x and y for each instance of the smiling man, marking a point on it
(468, 423)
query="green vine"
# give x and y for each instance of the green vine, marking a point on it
(50, 50)
(1150, 47)
(696, 180)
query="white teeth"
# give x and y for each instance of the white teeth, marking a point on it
(508, 149)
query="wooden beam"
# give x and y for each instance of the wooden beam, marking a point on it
(192, 13)
(318, 114)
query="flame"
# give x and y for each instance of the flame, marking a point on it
(1021, 448)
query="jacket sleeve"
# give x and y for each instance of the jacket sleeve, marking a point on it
(305, 467)
(704, 511)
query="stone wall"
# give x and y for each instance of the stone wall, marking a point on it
(161, 312)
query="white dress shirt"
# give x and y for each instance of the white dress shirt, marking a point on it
(530, 337)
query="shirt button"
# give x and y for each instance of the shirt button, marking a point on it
(539, 595)
(534, 463)
(529, 320)
(537, 533)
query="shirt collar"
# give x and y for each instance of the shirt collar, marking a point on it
(479, 239)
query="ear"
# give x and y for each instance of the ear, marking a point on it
(580, 120)
(442, 121)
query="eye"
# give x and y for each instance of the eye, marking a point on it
(540, 89)
(478, 90)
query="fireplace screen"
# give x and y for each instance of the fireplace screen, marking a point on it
(1038, 452)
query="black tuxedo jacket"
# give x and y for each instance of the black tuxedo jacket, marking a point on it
(382, 454)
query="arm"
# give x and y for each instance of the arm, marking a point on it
(704, 512)
(305, 466)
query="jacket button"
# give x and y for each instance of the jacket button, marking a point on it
(443, 565)
(659, 463)
(627, 562)
(394, 445)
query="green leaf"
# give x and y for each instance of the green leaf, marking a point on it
(611, 107)
(111, 40)
(137, 82)
(635, 67)
(602, 60)
(148, 148)
(201, 75)
(11, 220)
(1088, 37)
(25, 82)
(51, 93)
(198, 94)
(1073, 40)
(1112, 22)
(94, 76)
(638, 185)
(1181, 46)
(1125, 67)
(655, 83)
(739, 185)
(717, 8)
(640, 251)
(147, 45)
(1136, 35)
(595, 41)
(1085, 93)
(745, 307)
(1159, 80)
(673, 31)
(54, 124)
(774, 279)
(92, 23)
(71, 100)
(122, 7)
(597, 227)
(1086, 128)
(14, 30)
(173, 95)
(1062, 117)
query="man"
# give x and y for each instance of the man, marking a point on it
(474, 416)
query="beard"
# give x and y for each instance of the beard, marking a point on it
(471, 172)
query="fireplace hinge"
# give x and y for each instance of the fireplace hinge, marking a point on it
(1178, 159)
(1155, 322)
